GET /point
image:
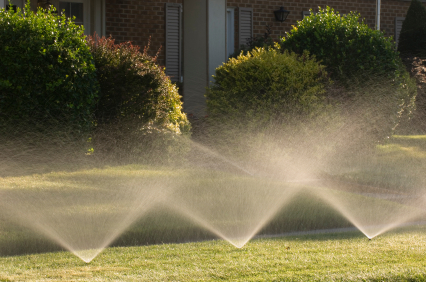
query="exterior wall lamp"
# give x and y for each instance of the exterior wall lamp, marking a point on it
(281, 14)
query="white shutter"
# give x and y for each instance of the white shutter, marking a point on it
(173, 40)
(398, 27)
(2, 5)
(245, 25)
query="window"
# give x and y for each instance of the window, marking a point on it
(78, 9)
(230, 39)
(245, 25)
(173, 23)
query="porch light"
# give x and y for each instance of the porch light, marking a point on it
(281, 14)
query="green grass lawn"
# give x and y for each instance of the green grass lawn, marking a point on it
(398, 165)
(395, 167)
(398, 256)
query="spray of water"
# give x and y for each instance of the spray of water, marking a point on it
(233, 184)
(233, 208)
(84, 212)
(372, 214)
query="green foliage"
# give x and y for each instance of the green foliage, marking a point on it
(412, 40)
(371, 108)
(372, 80)
(46, 70)
(267, 86)
(344, 44)
(133, 87)
(137, 101)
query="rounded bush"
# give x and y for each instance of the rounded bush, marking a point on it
(412, 39)
(134, 87)
(46, 70)
(371, 80)
(267, 86)
(344, 44)
(136, 98)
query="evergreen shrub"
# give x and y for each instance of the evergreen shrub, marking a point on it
(266, 88)
(47, 76)
(264, 105)
(364, 66)
(412, 39)
(138, 105)
(346, 45)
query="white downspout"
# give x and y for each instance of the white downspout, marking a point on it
(378, 15)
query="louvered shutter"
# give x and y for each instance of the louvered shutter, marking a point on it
(245, 25)
(173, 40)
(398, 27)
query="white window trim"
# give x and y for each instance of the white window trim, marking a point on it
(230, 31)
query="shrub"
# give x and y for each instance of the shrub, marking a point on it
(46, 70)
(263, 105)
(266, 87)
(365, 67)
(344, 44)
(412, 39)
(136, 98)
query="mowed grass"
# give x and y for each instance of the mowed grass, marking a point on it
(398, 164)
(398, 256)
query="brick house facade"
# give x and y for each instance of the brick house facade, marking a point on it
(136, 21)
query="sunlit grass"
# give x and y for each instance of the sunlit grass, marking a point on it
(398, 165)
(334, 257)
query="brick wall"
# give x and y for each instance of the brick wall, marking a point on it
(136, 21)
(263, 13)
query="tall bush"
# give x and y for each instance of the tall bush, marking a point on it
(264, 96)
(361, 61)
(263, 106)
(136, 98)
(46, 72)
(346, 45)
(267, 86)
(412, 39)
